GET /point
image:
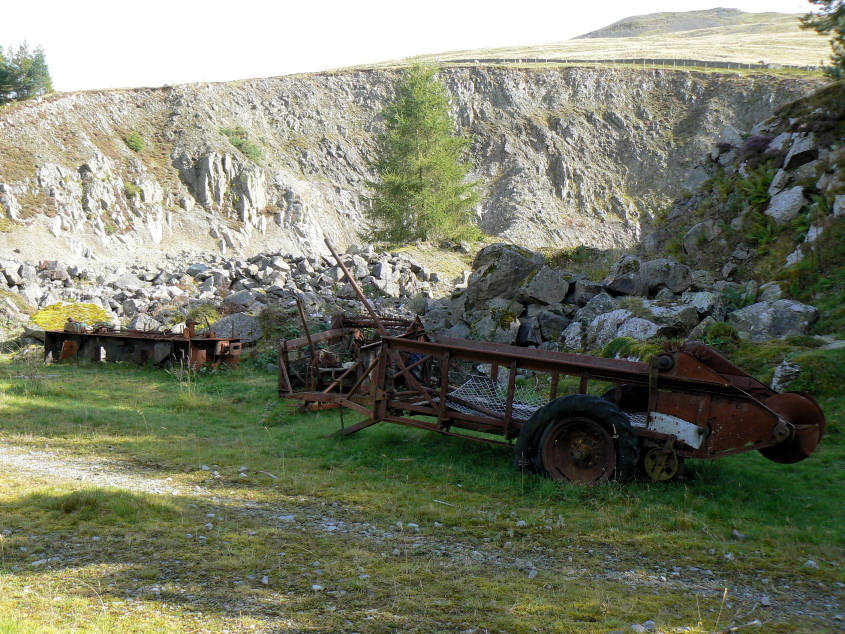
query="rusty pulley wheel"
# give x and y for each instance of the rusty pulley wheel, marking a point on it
(661, 465)
(804, 412)
(578, 449)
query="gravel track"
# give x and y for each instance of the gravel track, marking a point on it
(787, 597)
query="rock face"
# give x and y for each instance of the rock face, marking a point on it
(562, 157)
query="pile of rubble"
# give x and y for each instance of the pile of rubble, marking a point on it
(155, 298)
(513, 296)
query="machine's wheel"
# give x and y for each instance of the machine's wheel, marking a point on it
(577, 449)
(804, 412)
(661, 466)
(579, 438)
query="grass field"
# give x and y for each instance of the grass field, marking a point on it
(130, 501)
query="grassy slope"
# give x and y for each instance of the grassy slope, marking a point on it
(774, 38)
(591, 546)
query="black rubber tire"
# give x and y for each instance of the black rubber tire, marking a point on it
(527, 448)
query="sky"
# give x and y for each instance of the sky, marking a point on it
(93, 44)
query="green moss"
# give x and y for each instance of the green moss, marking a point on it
(54, 316)
(134, 141)
(721, 335)
(204, 314)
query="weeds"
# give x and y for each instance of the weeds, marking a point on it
(739, 298)
(628, 348)
(131, 190)
(184, 375)
(134, 141)
(240, 139)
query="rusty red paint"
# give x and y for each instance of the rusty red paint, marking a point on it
(717, 408)
(141, 347)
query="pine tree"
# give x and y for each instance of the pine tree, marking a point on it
(421, 190)
(23, 74)
(830, 18)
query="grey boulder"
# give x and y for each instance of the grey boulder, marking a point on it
(773, 320)
(784, 206)
(237, 325)
(547, 286)
(498, 270)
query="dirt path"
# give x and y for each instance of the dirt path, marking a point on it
(767, 599)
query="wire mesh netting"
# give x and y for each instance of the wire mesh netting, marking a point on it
(472, 390)
(480, 393)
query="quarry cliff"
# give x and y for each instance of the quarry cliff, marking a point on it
(563, 156)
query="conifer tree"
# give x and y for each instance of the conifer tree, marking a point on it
(421, 190)
(23, 74)
(830, 18)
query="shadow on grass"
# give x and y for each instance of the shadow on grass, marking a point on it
(99, 544)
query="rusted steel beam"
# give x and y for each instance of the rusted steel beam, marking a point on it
(317, 337)
(412, 422)
(339, 379)
(142, 347)
(375, 316)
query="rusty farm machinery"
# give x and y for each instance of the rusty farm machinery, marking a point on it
(80, 342)
(570, 416)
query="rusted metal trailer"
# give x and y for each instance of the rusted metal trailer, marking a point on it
(570, 416)
(79, 342)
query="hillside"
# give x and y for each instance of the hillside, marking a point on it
(564, 157)
(716, 35)
(673, 22)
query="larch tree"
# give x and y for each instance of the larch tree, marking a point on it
(421, 191)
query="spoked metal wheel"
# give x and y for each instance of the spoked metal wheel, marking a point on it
(661, 465)
(578, 449)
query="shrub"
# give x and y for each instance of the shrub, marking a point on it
(753, 146)
(240, 139)
(721, 335)
(203, 314)
(131, 190)
(134, 141)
